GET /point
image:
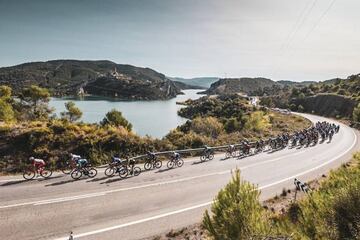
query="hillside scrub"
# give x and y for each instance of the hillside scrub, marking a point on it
(356, 114)
(330, 212)
(212, 122)
(333, 98)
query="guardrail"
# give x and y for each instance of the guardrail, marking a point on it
(266, 142)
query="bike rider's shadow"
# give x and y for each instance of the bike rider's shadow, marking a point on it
(46, 179)
(164, 170)
(198, 162)
(64, 182)
(97, 179)
(15, 182)
(116, 179)
(25, 181)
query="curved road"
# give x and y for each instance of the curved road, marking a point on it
(156, 201)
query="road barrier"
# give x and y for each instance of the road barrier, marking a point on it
(301, 186)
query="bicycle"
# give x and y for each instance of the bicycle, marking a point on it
(68, 166)
(112, 169)
(126, 170)
(87, 170)
(208, 154)
(175, 161)
(152, 162)
(30, 173)
(230, 152)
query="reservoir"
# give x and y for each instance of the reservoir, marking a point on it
(153, 118)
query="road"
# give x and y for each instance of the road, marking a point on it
(156, 201)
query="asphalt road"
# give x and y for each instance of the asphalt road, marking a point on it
(156, 201)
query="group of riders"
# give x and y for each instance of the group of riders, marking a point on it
(78, 166)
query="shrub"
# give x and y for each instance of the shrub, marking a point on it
(301, 108)
(208, 126)
(232, 125)
(257, 121)
(356, 113)
(6, 111)
(236, 212)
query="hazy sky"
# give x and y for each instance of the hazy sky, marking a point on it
(280, 39)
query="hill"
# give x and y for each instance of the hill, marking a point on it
(183, 85)
(246, 86)
(296, 84)
(106, 78)
(203, 82)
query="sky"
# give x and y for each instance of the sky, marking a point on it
(279, 39)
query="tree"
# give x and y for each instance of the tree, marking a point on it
(6, 111)
(5, 92)
(301, 108)
(356, 113)
(301, 95)
(73, 113)
(6, 108)
(115, 118)
(36, 99)
(236, 212)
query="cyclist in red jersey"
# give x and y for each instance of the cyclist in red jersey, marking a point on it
(37, 163)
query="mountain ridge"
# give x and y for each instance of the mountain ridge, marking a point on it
(97, 77)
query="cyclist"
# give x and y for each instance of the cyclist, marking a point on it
(116, 160)
(82, 162)
(246, 147)
(207, 150)
(37, 163)
(151, 155)
(74, 157)
(176, 155)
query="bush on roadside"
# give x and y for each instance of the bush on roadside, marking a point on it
(236, 212)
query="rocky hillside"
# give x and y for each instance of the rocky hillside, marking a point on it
(240, 85)
(68, 77)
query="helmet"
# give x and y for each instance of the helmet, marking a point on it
(31, 158)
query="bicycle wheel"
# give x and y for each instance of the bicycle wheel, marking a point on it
(211, 156)
(170, 164)
(228, 155)
(233, 154)
(180, 163)
(110, 171)
(136, 171)
(92, 172)
(76, 174)
(158, 164)
(46, 173)
(123, 173)
(28, 174)
(66, 170)
(202, 158)
(147, 165)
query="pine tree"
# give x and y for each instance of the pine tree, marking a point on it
(236, 212)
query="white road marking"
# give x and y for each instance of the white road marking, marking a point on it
(138, 221)
(206, 203)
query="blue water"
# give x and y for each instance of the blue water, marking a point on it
(153, 118)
